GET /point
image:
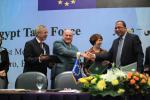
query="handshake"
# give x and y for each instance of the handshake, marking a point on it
(86, 55)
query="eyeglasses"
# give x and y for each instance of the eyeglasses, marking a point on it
(118, 27)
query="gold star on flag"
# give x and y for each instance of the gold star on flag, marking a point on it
(66, 3)
(73, 1)
(60, 2)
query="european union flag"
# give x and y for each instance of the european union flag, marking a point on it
(65, 4)
(80, 4)
(77, 71)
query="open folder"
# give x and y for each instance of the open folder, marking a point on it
(129, 68)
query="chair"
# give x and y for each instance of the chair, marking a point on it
(28, 80)
(65, 80)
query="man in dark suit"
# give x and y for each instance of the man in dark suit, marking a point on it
(36, 52)
(126, 49)
(147, 61)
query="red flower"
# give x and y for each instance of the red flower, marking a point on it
(132, 81)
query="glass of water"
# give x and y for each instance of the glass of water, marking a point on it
(39, 83)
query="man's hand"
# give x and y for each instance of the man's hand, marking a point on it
(43, 58)
(88, 55)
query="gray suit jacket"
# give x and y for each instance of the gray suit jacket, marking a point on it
(66, 53)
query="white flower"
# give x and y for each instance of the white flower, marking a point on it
(113, 74)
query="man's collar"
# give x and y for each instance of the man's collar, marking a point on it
(123, 37)
(38, 40)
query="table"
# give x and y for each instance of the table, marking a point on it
(34, 95)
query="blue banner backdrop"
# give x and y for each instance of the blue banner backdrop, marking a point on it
(20, 17)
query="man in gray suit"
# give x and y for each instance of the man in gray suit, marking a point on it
(66, 52)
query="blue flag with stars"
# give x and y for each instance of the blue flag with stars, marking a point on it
(77, 71)
(84, 4)
(65, 4)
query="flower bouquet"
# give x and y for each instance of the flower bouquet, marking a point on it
(137, 83)
(116, 82)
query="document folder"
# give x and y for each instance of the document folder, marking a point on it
(129, 68)
(54, 59)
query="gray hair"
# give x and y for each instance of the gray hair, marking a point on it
(38, 28)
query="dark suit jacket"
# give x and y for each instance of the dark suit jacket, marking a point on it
(147, 58)
(4, 65)
(131, 51)
(32, 51)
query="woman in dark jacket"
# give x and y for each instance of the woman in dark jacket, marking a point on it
(4, 66)
(91, 67)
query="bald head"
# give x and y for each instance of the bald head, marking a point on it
(67, 36)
